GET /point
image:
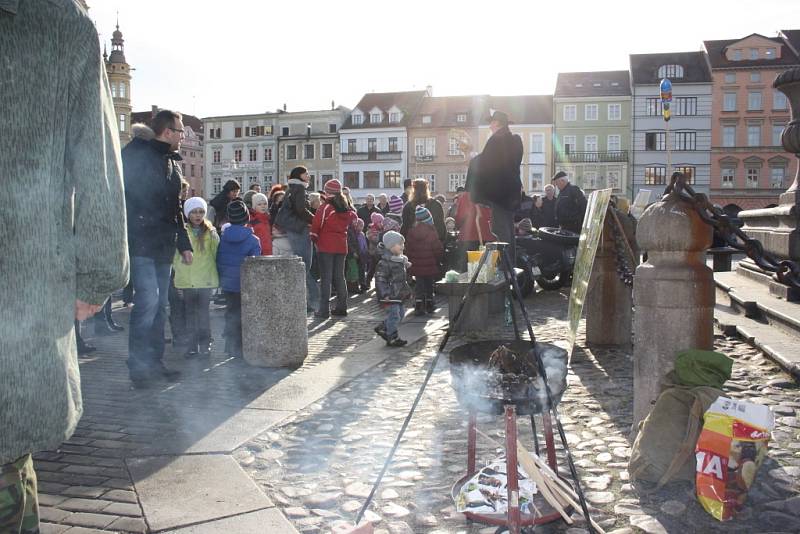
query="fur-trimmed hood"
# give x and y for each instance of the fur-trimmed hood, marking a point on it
(142, 131)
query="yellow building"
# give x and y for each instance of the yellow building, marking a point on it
(119, 77)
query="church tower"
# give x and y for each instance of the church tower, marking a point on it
(119, 77)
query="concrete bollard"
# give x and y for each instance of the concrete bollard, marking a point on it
(609, 304)
(673, 296)
(274, 331)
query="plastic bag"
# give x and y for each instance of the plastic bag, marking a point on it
(729, 451)
(487, 273)
(487, 491)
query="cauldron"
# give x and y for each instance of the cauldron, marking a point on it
(487, 390)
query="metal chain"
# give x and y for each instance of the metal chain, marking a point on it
(625, 269)
(784, 271)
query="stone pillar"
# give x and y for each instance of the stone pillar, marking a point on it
(274, 331)
(609, 304)
(673, 295)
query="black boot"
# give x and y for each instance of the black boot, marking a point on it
(430, 305)
(419, 307)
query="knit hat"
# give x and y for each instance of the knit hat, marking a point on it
(376, 218)
(423, 215)
(390, 224)
(258, 198)
(392, 238)
(525, 225)
(248, 199)
(237, 212)
(332, 187)
(395, 204)
(194, 203)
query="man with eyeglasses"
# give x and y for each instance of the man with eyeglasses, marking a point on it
(151, 167)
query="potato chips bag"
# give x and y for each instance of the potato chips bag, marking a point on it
(729, 451)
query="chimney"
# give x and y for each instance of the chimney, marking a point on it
(429, 90)
(153, 111)
(284, 107)
(333, 105)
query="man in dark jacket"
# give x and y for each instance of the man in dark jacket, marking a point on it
(365, 212)
(155, 228)
(570, 204)
(548, 209)
(496, 182)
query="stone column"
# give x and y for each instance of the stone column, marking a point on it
(609, 305)
(673, 295)
(274, 331)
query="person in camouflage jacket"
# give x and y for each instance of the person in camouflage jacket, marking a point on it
(391, 286)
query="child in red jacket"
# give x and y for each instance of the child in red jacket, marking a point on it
(329, 233)
(425, 252)
(259, 222)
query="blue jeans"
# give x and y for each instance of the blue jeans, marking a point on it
(302, 246)
(146, 331)
(394, 314)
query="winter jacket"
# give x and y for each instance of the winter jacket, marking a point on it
(465, 220)
(496, 176)
(390, 276)
(202, 273)
(424, 250)
(259, 222)
(548, 210)
(570, 208)
(295, 213)
(220, 204)
(152, 172)
(437, 212)
(365, 212)
(62, 226)
(329, 228)
(236, 244)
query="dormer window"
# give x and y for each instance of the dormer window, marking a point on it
(614, 84)
(375, 118)
(754, 53)
(597, 84)
(358, 118)
(578, 85)
(394, 118)
(737, 54)
(426, 119)
(461, 117)
(670, 71)
(770, 53)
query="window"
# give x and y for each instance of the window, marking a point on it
(570, 112)
(291, 151)
(778, 100)
(332, 128)
(590, 143)
(730, 77)
(327, 150)
(211, 133)
(728, 136)
(372, 145)
(391, 179)
(394, 118)
(308, 151)
(393, 145)
(753, 135)
(737, 55)
(358, 118)
(217, 183)
(215, 156)
(351, 146)
(351, 180)
(424, 146)
(113, 89)
(253, 180)
(754, 101)
(461, 117)
(268, 154)
(426, 119)
(590, 112)
(237, 155)
(654, 107)
(253, 153)
(237, 132)
(776, 175)
(729, 102)
(688, 172)
(655, 175)
(612, 179)
(614, 143)
(590, 180)
(670, 71)
(655, 141)
(754, 53)
(777, 131)
(122, 89)
(770, 53)
(685, 141)
(453, 148)
(372, 179)
(285, 131)
(219, 133)
(267, 181)
(455, 180)
(122, 120)
(685, 105)
(312, 182)
(614, 112)
(536, 183)
(755, 77)
(375, 118)
(569, 144)
(752, 177)
(728, 177)
(537, 143)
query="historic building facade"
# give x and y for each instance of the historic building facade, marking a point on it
(749, 168)
(119, 78)
(592, 117)
(689, 136)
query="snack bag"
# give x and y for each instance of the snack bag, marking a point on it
(487, 491)
(729, 451)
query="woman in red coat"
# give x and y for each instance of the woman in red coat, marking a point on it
(259, 222)
(329, 233)
(425, 252)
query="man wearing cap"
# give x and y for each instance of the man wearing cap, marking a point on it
(496, 181)
(570, 204)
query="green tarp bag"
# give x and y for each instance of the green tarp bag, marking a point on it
(702, 368)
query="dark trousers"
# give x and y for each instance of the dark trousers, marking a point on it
(503, 228)
(233, 323)
(151, 282)
(198, 323)
(331, 267)
(424, 287)
(177, 314)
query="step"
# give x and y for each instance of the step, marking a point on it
(755, 301)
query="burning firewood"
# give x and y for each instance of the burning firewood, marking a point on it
(510, 362)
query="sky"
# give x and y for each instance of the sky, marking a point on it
(237, 57)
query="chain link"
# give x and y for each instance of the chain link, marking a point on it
(625, 267)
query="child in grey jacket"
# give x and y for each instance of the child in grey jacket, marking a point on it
(391, 286)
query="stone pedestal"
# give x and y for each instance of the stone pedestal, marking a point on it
(274, 331)
(673, 295)
(609, 303)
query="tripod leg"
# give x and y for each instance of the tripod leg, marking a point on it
(508, 273)
(535, 436)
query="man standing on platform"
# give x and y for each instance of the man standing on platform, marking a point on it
(570, 204)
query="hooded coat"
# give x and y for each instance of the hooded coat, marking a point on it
(59, 148)
(329, 227)
(496, 176)
(424, 250)
(237, 242)
(259, 222)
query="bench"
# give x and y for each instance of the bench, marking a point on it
(722, 258)
(486, 299)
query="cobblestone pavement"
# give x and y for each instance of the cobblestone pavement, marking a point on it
(319, 467)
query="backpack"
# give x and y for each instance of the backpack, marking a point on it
(286, 219)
